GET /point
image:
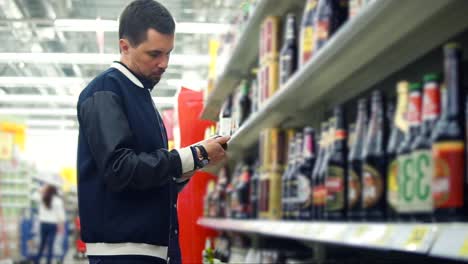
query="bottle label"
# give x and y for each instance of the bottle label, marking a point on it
(286, 68)
(392, 189)
(431, 101)
(225, 126)
(406, 171)
(264, 195)
(307, 41)
(373, 184)
(449, 174)
(414, 110)
(335, 188)
(303, 190)
(354, 189)
(340, 134)
(323, 29)
(422, 178)
(320, 195)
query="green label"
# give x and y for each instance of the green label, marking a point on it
(335, 188)
(414, 180)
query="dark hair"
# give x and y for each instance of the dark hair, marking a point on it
(49, 192)
(141, 15)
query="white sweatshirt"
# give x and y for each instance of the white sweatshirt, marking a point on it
(54, 215)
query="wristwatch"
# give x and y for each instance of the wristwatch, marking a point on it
(202, 158)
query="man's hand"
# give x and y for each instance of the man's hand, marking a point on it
(216, 152)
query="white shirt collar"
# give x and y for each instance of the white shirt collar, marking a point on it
(127, 74)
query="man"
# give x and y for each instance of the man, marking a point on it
(127, 179)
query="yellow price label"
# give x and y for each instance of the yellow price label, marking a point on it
(463, 252)
(416, 238)
(361, 231)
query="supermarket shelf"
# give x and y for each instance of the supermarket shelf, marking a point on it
(14, 205)
(15, 193)
(383, 38)
(244, 54)
(442, 240)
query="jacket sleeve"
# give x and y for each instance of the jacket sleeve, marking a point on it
(111, 142)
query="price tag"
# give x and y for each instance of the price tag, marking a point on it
(463, 251)
(416, 238)
(386, 237)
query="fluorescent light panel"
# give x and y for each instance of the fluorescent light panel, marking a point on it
(91, 25)
(64, 99)
(93, 58)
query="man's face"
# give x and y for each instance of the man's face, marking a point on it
(150, 58)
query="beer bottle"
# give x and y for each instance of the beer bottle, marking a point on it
(319, 190)
(304, 176)
(244, 104)
(336, 203)
(448, 148)
(397, 135)
(422, 205)
(235, 198)
(306, 46)
(287, 172)
(243, 191)
(355, 163)
(316, 169)
(293, 178)
(254, 194)
(373, 170)
(406, 166)
(225, 121)
(331, 14)
(288, 53)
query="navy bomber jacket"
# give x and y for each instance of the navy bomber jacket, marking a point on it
(127, 179)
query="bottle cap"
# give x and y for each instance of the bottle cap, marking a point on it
(431, 77)
(415, 87)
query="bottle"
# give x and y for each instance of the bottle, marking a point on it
(243, 190)
(305, 175)
(225, 121)
(293, 178)
(448, 148)
(244, 104)
(421, 151)
(373, 170)
(254, 193)
(322, 194)
(354, 7)
(331, 14)
(316, 169)
(397, 135)
(406, 168)
(317, 175)
(286, 174)
(306, 46)
(288, 53)
(207, 253)
(235, 195)
(229, 213)
(355, 163)
(335, 182)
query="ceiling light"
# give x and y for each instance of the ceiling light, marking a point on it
(160, 101)
(93, 58)
(38, 111)
(91, 25)
(50, 122)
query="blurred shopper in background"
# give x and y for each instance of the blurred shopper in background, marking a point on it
(128, 180)
(52, 218)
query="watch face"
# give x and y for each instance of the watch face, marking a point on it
(205, 162)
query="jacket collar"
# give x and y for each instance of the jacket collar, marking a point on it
(127, 73)
(140, 82)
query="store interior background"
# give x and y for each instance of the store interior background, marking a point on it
(50, 50)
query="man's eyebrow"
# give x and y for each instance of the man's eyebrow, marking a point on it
(158, 50)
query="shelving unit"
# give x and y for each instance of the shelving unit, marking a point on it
(384, 37)
(244, 54)
(440, 240)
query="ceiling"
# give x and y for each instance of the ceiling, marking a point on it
(52, 48)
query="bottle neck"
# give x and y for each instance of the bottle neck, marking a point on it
(414, 109)
(431, 105)
(309, 151)
(401, 110)
(452, 79)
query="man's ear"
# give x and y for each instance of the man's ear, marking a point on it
(124, 45)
